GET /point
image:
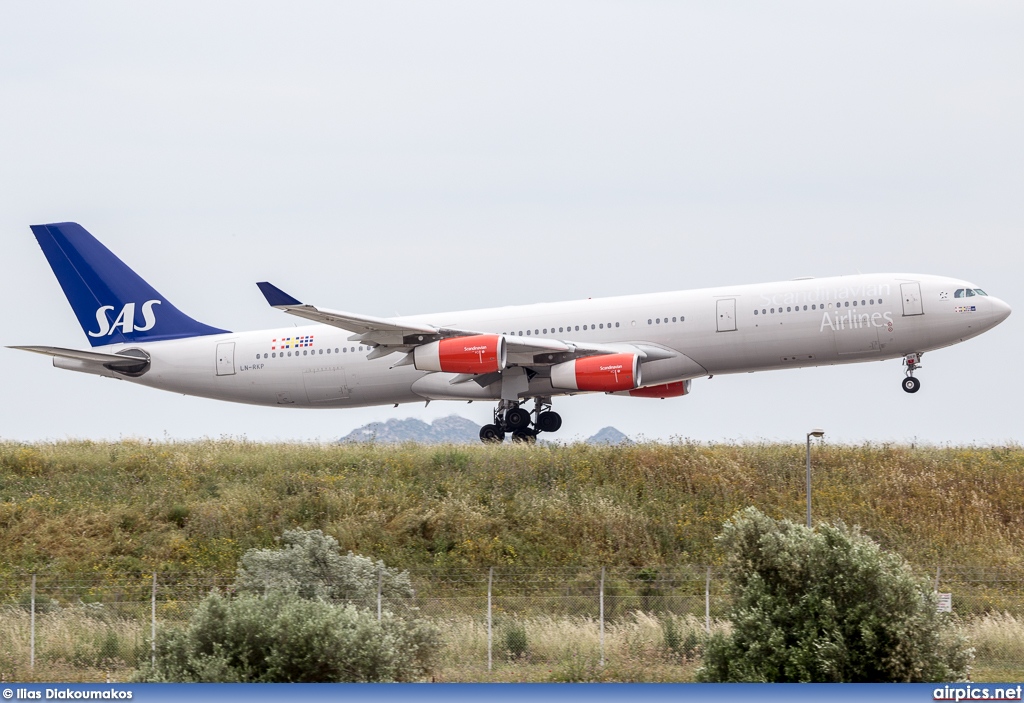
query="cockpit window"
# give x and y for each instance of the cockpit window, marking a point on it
(959, 293)
(979, 291)
(970, 293)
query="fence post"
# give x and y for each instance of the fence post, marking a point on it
(380, 588)
(602, 616)
(32, 628)
(152, 623)
(490, 581)
(708, 602)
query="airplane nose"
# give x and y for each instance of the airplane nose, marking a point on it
(1000, 310)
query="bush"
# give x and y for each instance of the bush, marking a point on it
(829, 605)
(282, 637)
(682, 641)
(311, 566)
(513, 640)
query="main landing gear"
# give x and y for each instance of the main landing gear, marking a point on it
(913, 363)
(511, 418)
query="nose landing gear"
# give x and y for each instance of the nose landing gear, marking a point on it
(510, 417)
(913, 363)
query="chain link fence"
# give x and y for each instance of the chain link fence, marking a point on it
(99, 628)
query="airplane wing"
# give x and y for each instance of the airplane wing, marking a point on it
(390, 336)
(113, 361)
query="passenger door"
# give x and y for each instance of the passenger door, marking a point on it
(226, 359)
(911, 299)
(726, 316)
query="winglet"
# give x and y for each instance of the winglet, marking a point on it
(275, 296)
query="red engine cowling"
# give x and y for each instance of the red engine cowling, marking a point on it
(664, 390)
(608, 373)
(481, 353)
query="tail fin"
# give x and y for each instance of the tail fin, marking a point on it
(113, 304)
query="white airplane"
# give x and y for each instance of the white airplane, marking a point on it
(645, 346)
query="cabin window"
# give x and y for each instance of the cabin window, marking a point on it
(650, 321)
(616, 324)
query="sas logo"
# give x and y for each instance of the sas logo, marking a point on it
(125, 319)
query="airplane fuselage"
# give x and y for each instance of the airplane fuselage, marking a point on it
(710, 331)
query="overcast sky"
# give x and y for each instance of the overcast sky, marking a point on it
(413, 157)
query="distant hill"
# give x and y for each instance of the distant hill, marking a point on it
(446, 430)
(609, 435)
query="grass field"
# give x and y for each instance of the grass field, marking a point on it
(141, 506)
(123, 509)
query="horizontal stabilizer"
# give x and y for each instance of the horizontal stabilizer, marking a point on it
(109, 360)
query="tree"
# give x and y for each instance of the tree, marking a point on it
(829, 605)
(311, 566)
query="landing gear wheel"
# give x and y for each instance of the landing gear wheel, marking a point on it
(911, 384)
(549, 422)
(517, 419)
(491, 434)
(524, 437)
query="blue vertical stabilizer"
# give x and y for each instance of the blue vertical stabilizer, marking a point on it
(113, 304)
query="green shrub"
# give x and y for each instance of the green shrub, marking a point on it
(513, 640)
(282, 637)
(311, 566)
(681, 641)
(829, 605)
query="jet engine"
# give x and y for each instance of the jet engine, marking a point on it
(664, 390)
(480, 353)
(608, 373)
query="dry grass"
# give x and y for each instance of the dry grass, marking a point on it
(569, 649)
(83, 643)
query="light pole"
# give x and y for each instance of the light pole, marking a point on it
(812, 433)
